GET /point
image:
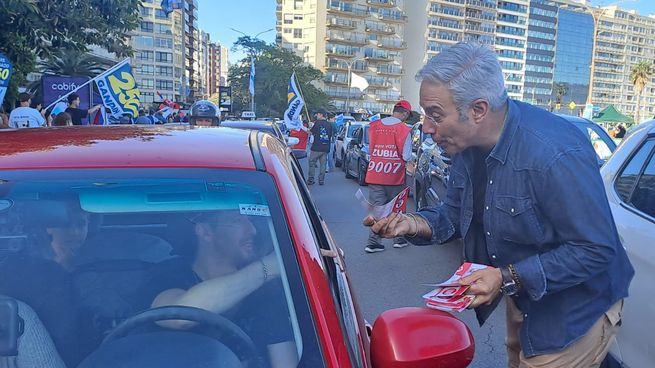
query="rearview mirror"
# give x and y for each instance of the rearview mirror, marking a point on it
(420, 337)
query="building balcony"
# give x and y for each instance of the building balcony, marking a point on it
(336, 81)
(341, 23)
(392, 44)
(382, 3)
(379, 84)
(347, 38)
(342, 95)
(388, 98)
(389, 70)
(478, 29)
(379, 57)
(484, 5)
(448, 25)
(447, 12)
(610, 49)
(481, 16)
(349, 11)
(380, 29)
(395, 18)
(340, 53)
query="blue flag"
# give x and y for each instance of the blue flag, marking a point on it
(252, 76)
(119, 91)
(295, 104)
(6, 70)
(338, 120)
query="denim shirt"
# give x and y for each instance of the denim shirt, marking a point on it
(546, 212)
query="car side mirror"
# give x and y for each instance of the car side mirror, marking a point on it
(420, 337)
(292, 141)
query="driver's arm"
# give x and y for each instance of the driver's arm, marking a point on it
(219, 294)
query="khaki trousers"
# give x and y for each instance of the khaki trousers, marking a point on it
(588, 351)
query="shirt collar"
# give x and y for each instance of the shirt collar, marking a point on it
(510, 125)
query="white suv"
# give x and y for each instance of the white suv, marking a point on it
(629, 177)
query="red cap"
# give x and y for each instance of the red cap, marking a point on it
(403, 104)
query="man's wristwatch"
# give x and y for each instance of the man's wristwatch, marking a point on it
(509, 286)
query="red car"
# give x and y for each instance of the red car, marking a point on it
(176, 246)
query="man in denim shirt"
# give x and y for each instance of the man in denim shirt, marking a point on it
(526, 196)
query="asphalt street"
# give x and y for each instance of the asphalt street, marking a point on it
(394, 278)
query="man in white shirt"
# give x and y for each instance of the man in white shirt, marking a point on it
(25, 116)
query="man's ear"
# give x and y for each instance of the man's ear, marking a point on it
(480, 109)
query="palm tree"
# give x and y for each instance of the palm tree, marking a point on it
(639, 77)
(72, 63)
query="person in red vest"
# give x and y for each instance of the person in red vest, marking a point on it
(390, 147)
(303, 136)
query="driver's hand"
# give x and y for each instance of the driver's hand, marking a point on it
(272, 265)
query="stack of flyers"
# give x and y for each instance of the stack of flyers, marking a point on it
(449, 295)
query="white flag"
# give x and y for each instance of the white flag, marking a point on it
(358, 82)
(295, 104)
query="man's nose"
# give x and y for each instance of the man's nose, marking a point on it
(429, 127)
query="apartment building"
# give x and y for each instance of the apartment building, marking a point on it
(540, 53)
(363, 36)
(158, 53)
(624, 38)
(192, 78)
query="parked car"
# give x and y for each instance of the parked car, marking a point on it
(127, 200)
(629, 177)
(357, 155)
(344, 136)
(270, 127)
(602, 142)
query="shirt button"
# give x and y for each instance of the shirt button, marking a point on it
(525, 315)
(487, 208)
(491, 182)
(493, 256)
(512, 210)
(488, 233)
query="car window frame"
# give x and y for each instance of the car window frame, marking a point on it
(650, 156)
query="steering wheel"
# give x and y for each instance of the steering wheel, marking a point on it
(216, 327)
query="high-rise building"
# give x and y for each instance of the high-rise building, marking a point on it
(204, 66)
(575, 33)
(224, 65)
(158, 53)
(540, 53)
(363, 36)
(218, 69)
(191, 78)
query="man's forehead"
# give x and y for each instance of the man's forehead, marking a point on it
(434, 95)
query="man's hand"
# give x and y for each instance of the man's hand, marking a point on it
(392, 226)
(485, 285)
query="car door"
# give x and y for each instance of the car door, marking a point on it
(352, 152)
(632, 200)
(339, 148)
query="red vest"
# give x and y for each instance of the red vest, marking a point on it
(386, 142)
(302, 136)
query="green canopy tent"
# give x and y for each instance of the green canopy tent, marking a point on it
(610, 115)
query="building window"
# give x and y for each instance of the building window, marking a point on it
(297, 17)
(147, 97)
(164, 57)
(160, 14)
(297, 4)
(146, 83)
(145, 55)
(163, 29)
(146, 26)
(297, 33)
(164, 84)
(146, 12)
(288, 18)
(145, 69)
(164, 71)
(288, 30)
(165, 43)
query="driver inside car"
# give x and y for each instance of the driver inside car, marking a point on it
(228, 276)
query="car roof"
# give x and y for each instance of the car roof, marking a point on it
(576, 119)
(249, 124)
(126, 146)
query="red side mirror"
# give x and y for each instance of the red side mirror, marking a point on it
(420, 338)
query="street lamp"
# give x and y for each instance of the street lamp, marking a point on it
(252, 56)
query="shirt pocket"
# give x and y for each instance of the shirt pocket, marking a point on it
(455, 190)
(517, 220)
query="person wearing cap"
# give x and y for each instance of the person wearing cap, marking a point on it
(322, 133)
(25, 116)
(390, 148)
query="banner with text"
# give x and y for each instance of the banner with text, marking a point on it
(6, 70)
(119, 91)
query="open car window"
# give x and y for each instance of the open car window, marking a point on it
(90, 250)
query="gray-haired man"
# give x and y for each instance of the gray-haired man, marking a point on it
(522, 185)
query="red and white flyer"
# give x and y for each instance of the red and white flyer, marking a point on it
(397, 204)
(449, 295)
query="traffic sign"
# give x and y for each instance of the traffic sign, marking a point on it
(572, 105)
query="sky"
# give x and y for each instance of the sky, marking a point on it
(253, 16)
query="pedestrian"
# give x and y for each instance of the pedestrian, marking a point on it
(143, 118)
(74, 110)
(522, 185)
(62, 119)
(330, 156)
(25, 116)
(302, 134)
(390, 148)
(620, 131)
(322, 135)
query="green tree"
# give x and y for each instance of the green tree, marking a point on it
(639, 76)
(40, 28)
(274, 66)
(72, 63)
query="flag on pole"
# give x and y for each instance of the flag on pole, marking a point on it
(169, 5)
(119, 91)
(99, 117)
(358, 82)
(295, 104)
(339, 120)
(252, 76)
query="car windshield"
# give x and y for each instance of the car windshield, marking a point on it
(85, 251)
(600, 140)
